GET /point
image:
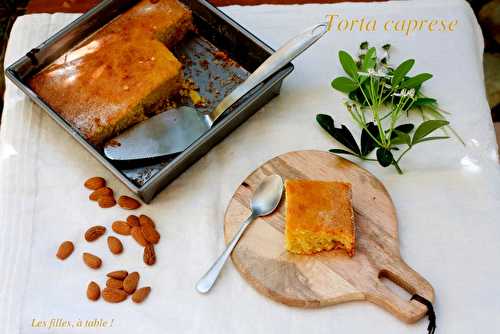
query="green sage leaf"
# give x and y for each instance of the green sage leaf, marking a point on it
(433, 138)
(367, 142)
(342, 134)
(341, 151)
(400, 138)
(344, 84)
(426, 128)
(416, 81)
(406, 128)
(348, 64)
(400, 71)
(424, 101)
(369, 61)
(384, 157)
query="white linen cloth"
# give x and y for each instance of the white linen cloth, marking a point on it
(448, 201)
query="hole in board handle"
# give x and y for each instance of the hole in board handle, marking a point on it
(396, 285)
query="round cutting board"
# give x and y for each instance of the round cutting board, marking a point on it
(332, 277)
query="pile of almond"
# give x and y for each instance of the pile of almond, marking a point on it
(104, 196)
(119, 284)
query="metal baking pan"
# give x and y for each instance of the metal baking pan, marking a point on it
(215, 31)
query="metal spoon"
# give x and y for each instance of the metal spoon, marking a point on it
(264, 201)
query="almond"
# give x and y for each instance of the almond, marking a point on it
(149, 255)
(128, 203)
(106, 201)
(130, 282)
(141, 294)
(93, 291)
(65, 250)
(104, 191)
(145, 220)
(133, 220)
(94, 233)
(138, 236)
(92, 261)
(118, 274)
(121, 227)
(115, 245)
(114, 283)
(150, 234)
(95, 183)
(113, 295)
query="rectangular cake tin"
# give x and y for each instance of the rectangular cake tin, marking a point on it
(215, 31)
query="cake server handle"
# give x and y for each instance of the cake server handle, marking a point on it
(289, 51)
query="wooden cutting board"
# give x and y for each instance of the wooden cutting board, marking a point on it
(332, 277)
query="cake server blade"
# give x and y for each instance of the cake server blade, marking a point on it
(175, 130)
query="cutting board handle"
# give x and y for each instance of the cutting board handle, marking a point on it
(396, 270)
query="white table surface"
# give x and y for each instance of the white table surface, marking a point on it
(448, 200)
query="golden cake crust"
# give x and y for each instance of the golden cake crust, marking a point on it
(111, 80)
(319, 216)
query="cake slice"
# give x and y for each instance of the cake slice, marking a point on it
(119, 75)
(319, 216)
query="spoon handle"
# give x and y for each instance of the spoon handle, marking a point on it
(207, 281)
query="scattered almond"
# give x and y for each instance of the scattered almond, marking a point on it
(104, 191)
(138, 236)
(114, 283)
(115, 245)
(130, 282)
(121, 227)
(150, 234)
(145, 220)
(92, 261)
(94, 233)
(128, 203)
(93, 291)
(106, 201)
(141, 294)
(95, 183)
(113, 295)
(65, 250)
(118, 274)
(149, 255)
(133, 220)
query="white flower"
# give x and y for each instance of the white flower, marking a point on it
(406, 93)
(380, 73)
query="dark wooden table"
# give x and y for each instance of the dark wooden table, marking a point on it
(80, 6)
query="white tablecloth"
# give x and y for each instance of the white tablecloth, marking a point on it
(448, 201)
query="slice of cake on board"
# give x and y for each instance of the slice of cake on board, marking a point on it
(319, 216)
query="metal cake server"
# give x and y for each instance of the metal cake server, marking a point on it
(174, 130)
(265, 200)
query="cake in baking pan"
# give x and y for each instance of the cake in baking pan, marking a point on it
(319, 216)
(120, 74)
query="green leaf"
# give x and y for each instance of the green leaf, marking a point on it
(384, 157)
(342, 135)
(406, 128)
(367, 142)
(400, 71)
(340, 151)
(364, 45)
(344, 84)
(348, 64)
(433, 138)
(416, 81)
(427, 127)
(370, 60)
(424, 101)
(400, 138)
